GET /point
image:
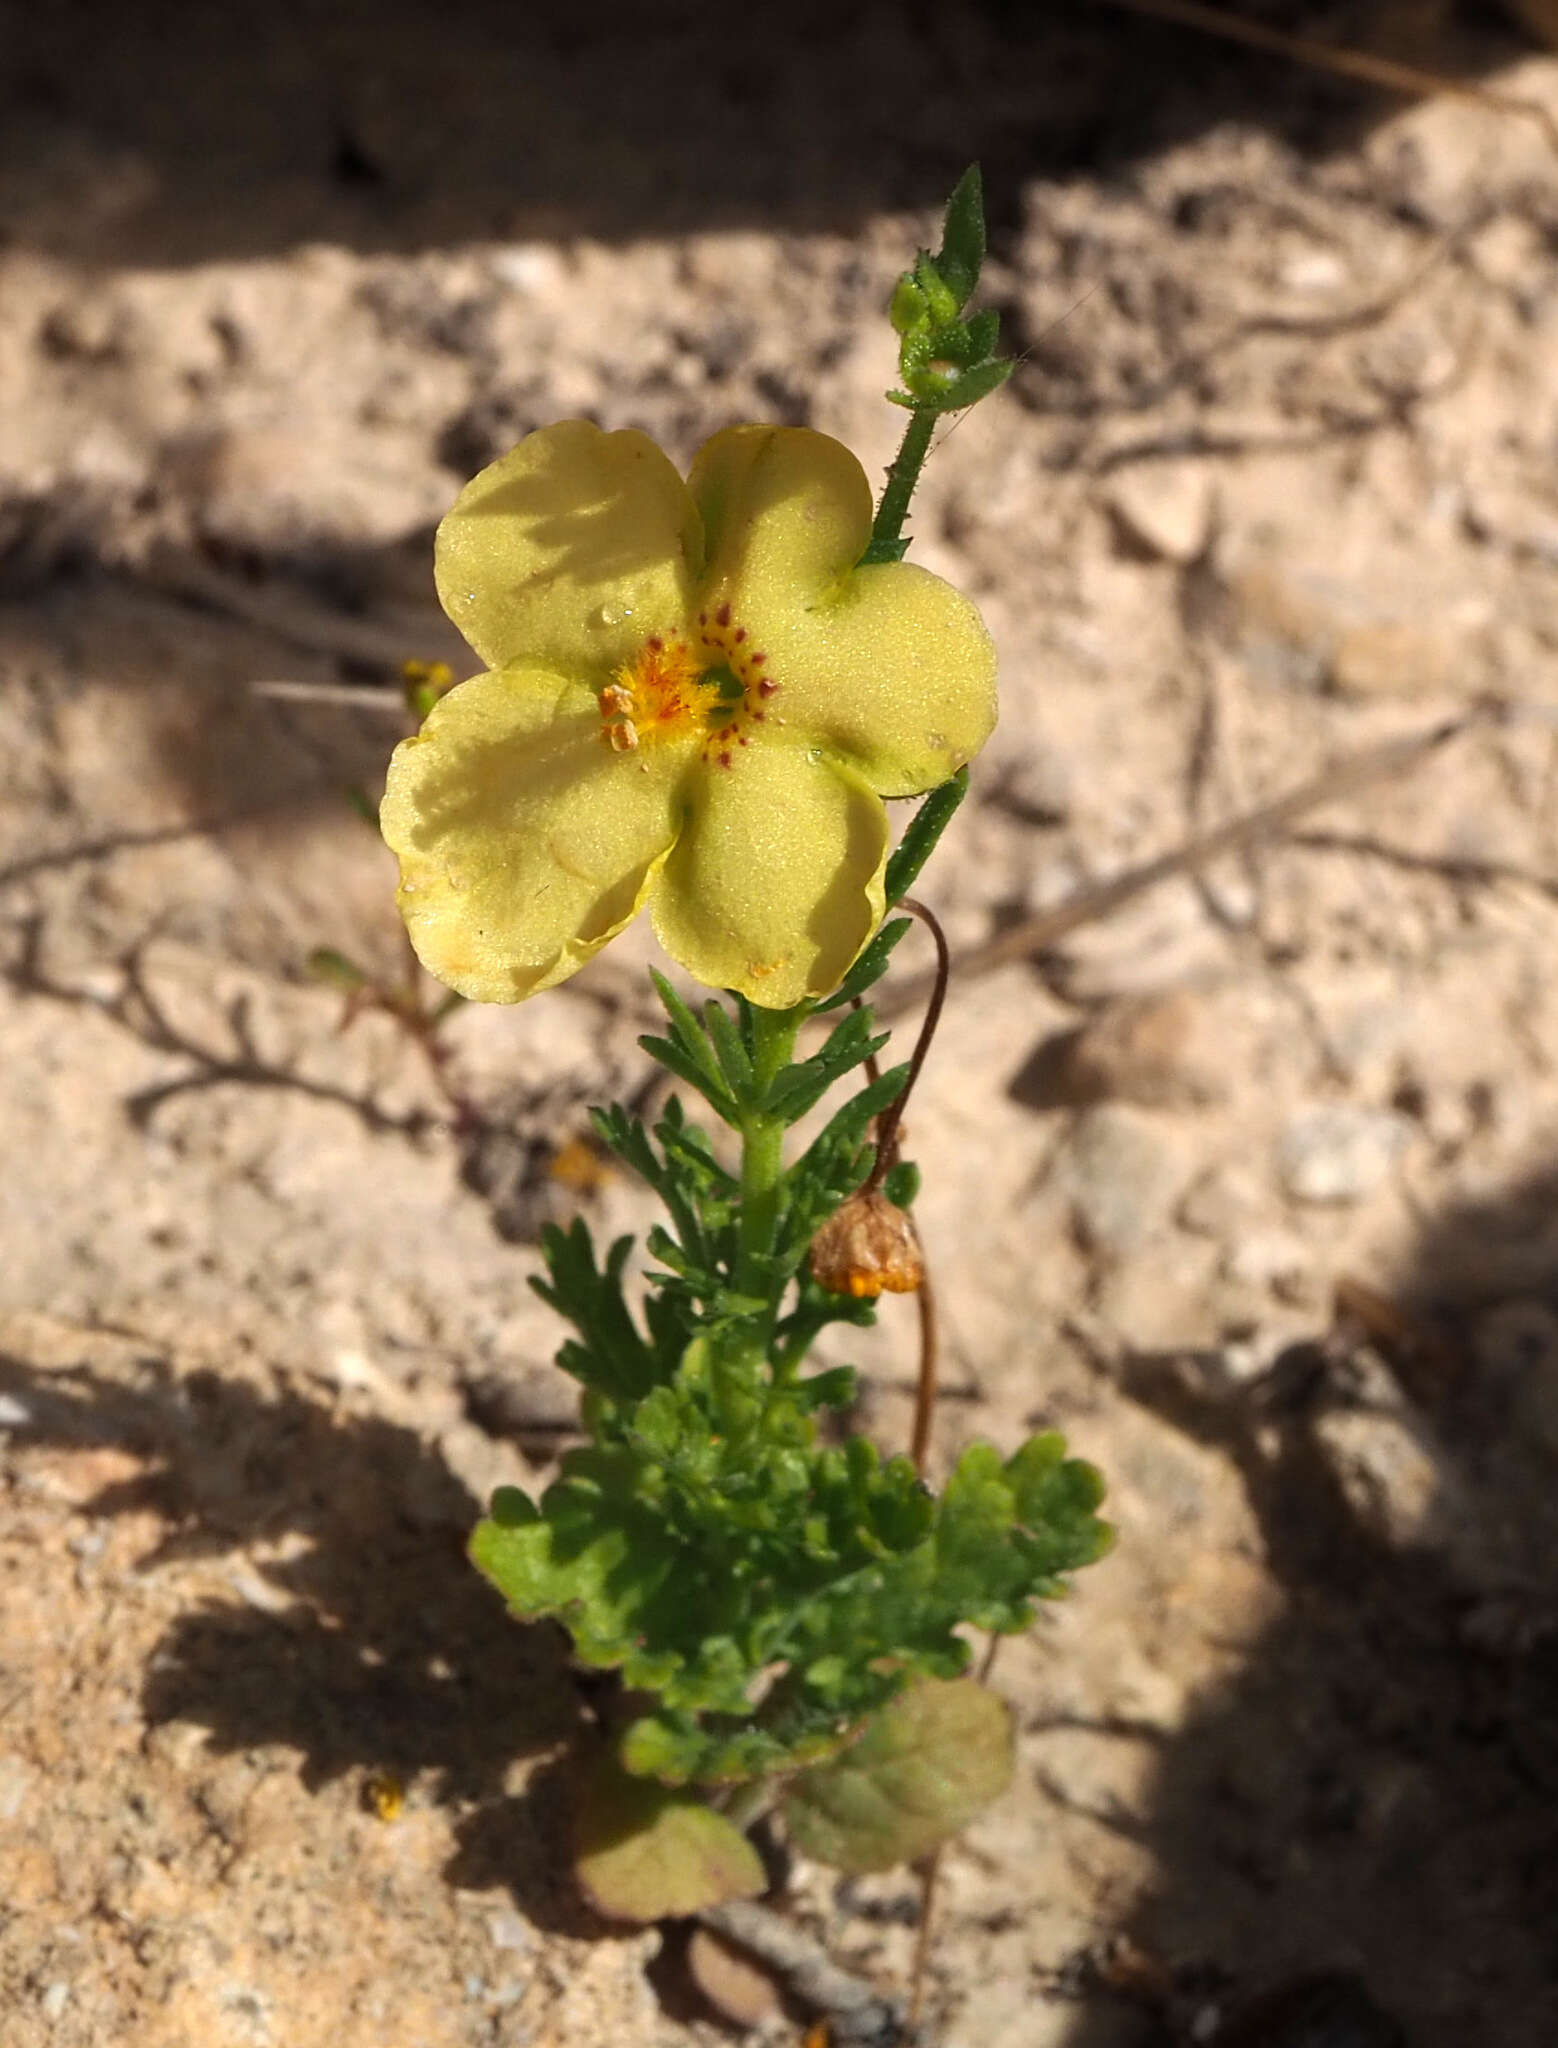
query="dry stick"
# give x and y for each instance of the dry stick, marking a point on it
(382, 699)
(855, 2012)
(1410, 79)
(1343, 778)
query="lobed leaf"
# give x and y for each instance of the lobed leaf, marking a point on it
(643, 1853)
(922, 1768)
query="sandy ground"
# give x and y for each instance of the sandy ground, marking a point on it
(1251, 1186)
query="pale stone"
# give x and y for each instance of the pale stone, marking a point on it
(1164, 507)
(1123, 1170)
(1339, 1153)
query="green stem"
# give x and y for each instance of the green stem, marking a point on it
(886, 543)
(762, 1143)
(762, 1171)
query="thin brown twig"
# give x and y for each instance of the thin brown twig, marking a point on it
(1362, 65)
(1343, 778)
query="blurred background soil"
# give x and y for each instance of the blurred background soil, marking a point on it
(1251, 1185)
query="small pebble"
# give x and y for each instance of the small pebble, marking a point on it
(740, 1990)
(1338, 1153)
(1123, 1170)
(1165, 508)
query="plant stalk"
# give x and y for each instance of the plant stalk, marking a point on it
(886, 543)
(762, 1145)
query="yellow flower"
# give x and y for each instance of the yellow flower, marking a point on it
(694, 699)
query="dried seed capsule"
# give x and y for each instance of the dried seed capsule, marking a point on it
(866, 1248)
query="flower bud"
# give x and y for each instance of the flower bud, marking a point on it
(906, 308)
(867, 1248)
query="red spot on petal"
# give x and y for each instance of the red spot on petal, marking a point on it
(760, 657)
(745, 741)
(741, 632)
(656, 644)
(724, 759)
(722, 616)
(703, 618)
(767, 688)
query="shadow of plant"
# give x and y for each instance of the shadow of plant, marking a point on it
(362, 1638)
(1371, 1795)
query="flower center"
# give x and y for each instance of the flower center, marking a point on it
(671, 689)
(661, 692)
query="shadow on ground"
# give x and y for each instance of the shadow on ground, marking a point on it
(163, 138)
(365, 1642)
(1371, 1801)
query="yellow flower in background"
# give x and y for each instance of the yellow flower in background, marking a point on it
(695, 699)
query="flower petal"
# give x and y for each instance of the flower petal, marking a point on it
(776, 881)
(895, 672)
(786, 510)
(569, 551)
(524, 843)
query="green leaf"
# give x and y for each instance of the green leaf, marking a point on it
(921, 834)
(849, 1044)
(613, 1359)
(644, 1853)
(923, 1767)
(962, 252)
(870, 967)
(676, 1060)
(729, 1049)
(688, 1053)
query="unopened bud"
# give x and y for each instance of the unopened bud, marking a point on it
(867, 1248)
(906, 308)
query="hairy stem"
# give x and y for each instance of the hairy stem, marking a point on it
(886, 543)
(762, 1145)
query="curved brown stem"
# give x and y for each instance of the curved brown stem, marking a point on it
(930, 1359)
(887, 1129)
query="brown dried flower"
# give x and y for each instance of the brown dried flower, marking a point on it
(867, 1248)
